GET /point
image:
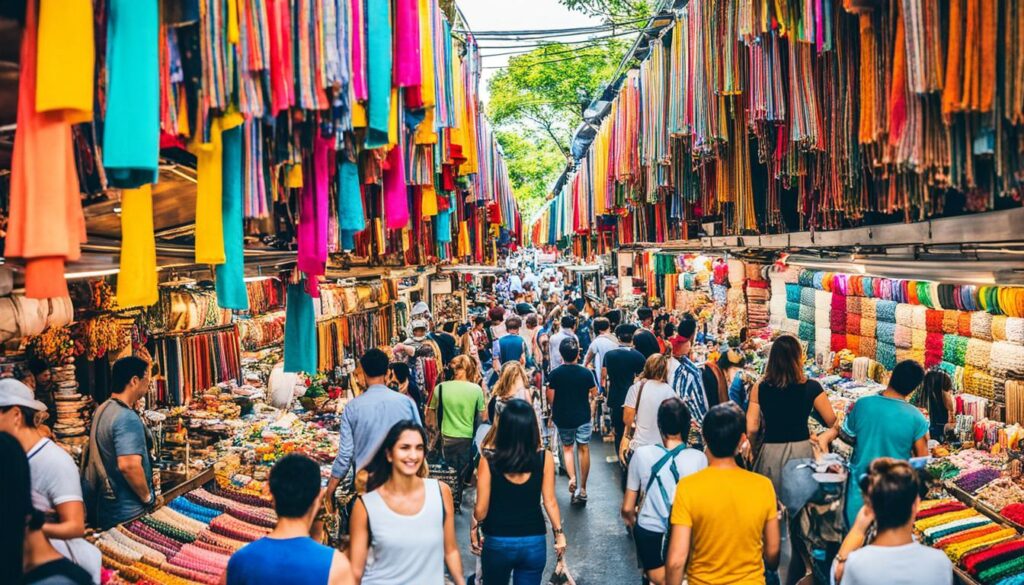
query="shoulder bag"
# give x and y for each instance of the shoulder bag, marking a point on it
(626, 447)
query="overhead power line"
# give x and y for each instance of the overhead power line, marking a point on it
(561, 51)
(553, 31)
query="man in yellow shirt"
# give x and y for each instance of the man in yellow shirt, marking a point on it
(725, 520)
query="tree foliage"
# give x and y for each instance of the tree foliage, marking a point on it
(617, 10)
(533, 164)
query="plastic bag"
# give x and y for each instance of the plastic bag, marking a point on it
(561, 575)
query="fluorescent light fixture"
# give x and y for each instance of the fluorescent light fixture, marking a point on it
(91, 274)
(256, 278)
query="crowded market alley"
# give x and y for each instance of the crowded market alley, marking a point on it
(431, 292)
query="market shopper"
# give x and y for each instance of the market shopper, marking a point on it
(509, 347)
(365, 422)
(443, 336)
(514, 476)
(893, 492)
(645, 341)
(288, 556)
(619, 370)
(570, 390)
(640, 410)
(937, 391)
(56, 486)
(882, 425)
(119, 463)
(720, 379)
(454, 413)
(566, 331)
(654, 471)
(687, 379)
(27, 557)
(602, 344)
(785, 397)
(725, 520)
(403, 529)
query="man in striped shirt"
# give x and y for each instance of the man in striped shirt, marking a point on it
(686, 379)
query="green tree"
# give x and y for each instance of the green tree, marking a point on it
(533, 165)
(616, 10)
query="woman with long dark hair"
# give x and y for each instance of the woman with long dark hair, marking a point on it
(786, 397)
(508, 528)
(937, 391)
(26, 556)
(412, 517)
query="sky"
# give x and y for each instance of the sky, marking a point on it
(496, 15)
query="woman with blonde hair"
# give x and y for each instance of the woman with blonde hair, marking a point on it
(640, 410)
(456, 408)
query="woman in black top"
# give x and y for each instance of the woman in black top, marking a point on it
(786, 398)
(938, 394)
(512, 479)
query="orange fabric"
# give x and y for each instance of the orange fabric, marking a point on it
(954, 59)
(866, 132)
(46, 223)
(898, 97)
(968, 99)
(989, 35)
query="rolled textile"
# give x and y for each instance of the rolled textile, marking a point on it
(868, 327)
(789, 274)
(818, 281)
(950, 322)
(837, 321)
(886, 333)
(737, 272)
(981, 325)
(979, 353)
(999, 327)
(868, 346)
(868, 308)
(904, 314)
(1007, 360)
(886, 311)
(838, 303)
(806, 314)
(822, 318)
(932, 358)
(1015, 330)
(793, 293)
(903, 336)
(918, 338)
(853, 323)
(933, 321)
(838, 341)
(822, 340)
(919, 318)
(753, 271)
(886, 355)
(903, 354)
(1014, 391)
(807, 296)
(964, 325)
(934, 342)
(954, 349)
(853, 342)
(806, 277)
(853, 305)
(822, 300)
(978, 382)
(806, 331)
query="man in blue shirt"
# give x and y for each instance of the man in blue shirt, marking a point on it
(366, 420)
(121, 449)
(687, 379)
(288, 556)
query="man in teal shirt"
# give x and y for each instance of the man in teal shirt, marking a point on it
(882, 425)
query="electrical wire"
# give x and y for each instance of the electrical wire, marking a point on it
(546, 53)
(552, 31)
(542, 43)
(534, 63)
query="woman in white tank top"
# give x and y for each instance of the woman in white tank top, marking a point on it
(403, 529)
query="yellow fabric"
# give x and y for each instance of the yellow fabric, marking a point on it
(425, 132)
(922, 525)
(429, 201)
(136, 282)
(464, 248)
(65, 58)
(295, 176)
(727, 510)
(457, 135)
(393, 122)
(358, 115)
(427, 83)
(209, 193)
(233, 34)
(378, 232)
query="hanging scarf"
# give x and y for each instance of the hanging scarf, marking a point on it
(137, 278)
(230, 276)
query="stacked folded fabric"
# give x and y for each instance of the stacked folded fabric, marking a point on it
(957, 530)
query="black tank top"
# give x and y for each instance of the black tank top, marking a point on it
(786, 410)
(515, 508)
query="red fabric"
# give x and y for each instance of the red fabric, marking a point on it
(943, 509)
(1008, 549)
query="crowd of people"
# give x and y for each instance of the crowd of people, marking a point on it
(505, 400)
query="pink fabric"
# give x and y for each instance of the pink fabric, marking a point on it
(358, 48)
(315, 209)
(396, 195)
(407, 44)
(282, 74)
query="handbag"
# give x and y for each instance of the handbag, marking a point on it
(627, 446)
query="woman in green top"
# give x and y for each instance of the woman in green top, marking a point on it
(455, 409)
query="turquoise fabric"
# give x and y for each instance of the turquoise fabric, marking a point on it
(379, 66)
(231, 291)
(444, 226)
(348, 240)
(131, 129)
(351, 216)
(882, 427)
(299, 331)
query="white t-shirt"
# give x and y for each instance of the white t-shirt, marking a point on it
(673, 364)
(55, 481)
(654, 513)
(910, 564)
(600, 346)
(554, 353)
(646, 421)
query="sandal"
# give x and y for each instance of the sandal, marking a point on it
(582, 498)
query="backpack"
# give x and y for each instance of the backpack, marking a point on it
(668, 458)
(96, 483)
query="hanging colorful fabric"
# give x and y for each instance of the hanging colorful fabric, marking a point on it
(65, 59)
(379, 72)
(131, 133)
(351, 216)
(209, 194)
(300, 351)
(314, 209)
(230, 276)
(137, 278)
(396, 195)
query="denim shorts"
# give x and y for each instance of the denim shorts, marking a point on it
(579, 435)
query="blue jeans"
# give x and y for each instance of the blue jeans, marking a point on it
(520, 557)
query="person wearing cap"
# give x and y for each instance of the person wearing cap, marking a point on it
(56, 485)
(687, 379)
(570, 390)
(119, 463)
